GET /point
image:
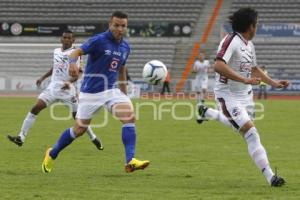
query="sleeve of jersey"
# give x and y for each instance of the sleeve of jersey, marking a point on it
(226, 49)
(90, 45)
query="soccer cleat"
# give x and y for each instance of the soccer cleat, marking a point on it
(15, 139)
(277, 181)
(135, 164)
(48, 162)
(201, 113)
(98, 144)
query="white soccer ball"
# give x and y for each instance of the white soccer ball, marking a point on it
(155, 72)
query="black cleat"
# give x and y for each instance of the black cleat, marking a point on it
(15, 139)
(201, 114)
(277, 181)
(98, 144)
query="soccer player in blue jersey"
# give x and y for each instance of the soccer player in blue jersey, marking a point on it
(105, 70)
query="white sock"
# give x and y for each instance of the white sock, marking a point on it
(217, 115)
(258, 153)
(199, 98)
(27, 123)
(91, 133)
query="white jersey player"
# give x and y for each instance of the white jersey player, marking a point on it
(236, 70)
(60, 89)
(201, 79)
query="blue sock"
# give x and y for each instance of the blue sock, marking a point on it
(65, 139)
(129, 139)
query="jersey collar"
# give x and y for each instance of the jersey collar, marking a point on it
(242, 38)
(72, 47)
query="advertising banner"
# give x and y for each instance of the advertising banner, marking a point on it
(271, 29)
(155, 29)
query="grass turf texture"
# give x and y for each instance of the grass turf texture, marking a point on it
(188, 161)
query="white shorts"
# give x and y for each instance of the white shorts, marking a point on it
(90, 103)
(201, 83)
(68, 98)
(238, 109)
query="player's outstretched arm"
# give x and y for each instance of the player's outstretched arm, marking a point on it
(258, 72)
(42, 78)
(222, 68)
(73, 57)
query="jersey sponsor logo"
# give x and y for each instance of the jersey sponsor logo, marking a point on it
(246, 62)
(114, 65)
(107, 52)
(117, 53)
(245, 67)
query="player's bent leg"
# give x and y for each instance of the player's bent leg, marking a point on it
(96, 141)
(66, 138)
(38, 107)
(259, 155)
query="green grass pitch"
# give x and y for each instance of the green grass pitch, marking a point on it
(188, 161)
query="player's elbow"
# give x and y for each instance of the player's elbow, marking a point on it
(219, 66)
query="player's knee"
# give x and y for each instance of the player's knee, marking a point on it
(35, 110)
(40, 105)
(246, 127)
(79, 130)
(128, 118)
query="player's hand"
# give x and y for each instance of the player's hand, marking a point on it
(282, 84)
(252, 81)
(66, 85)
(38, 82)
(73, 70)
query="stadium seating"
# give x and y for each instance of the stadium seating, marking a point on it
(93, 11)
(280, 56)
(272, 11)
(34, 59)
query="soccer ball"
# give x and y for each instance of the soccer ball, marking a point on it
(154, 72)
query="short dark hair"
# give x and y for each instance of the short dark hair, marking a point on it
(67, 31)
(242, 19)
(119, 14)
